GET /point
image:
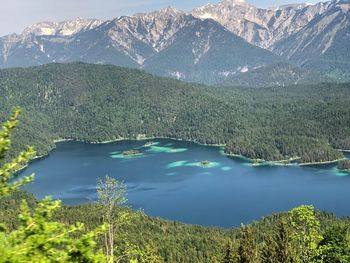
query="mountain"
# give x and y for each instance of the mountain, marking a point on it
(65, 28)
(323, 44)
(314, 37)
(261, 27)
(279, 74)
(206, 45)
(166, 42)
(204, 51)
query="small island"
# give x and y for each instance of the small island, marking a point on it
(205, 163)
(130, 152)
(344, 166)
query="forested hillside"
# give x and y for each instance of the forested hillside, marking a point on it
(268, 240)
(98, 103)
(280, 74)
(106, 231)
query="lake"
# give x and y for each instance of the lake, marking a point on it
(168, 180)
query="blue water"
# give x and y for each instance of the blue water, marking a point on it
(168, 180)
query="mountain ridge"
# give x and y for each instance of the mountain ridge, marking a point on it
(137, 41)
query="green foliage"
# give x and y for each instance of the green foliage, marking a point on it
(247, 250)
(111, 197)
(96, 103)
(284, 248)
(40, 240)
(306, 232)
(229, 254)
(7, 170)
(344, 165)
(151, 254)
(334, 246)
(278, 247)
(99, 103)
(175, 242)
(269, 251)
(278, 74)
(37, 238)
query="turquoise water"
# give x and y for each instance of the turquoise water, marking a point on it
(168, 180)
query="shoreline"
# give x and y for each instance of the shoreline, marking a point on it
(345, 151)
(344, 170)
(139, 139)
(255, 162)
(325, 162)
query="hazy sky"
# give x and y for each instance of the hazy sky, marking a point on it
(18, 14)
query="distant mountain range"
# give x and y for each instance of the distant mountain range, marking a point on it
(211, 44)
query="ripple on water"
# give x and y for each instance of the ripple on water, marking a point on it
(176, 164)
(226, 168)
(342, 174)
(165, 149)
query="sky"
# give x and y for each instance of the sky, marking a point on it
(18, 14)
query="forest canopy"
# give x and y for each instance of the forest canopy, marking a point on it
(98, 103)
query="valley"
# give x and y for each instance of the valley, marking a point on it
(201, 133)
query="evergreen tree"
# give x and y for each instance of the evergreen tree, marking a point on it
(150, 254)
(247, 250)
(284, 246)
(334, 246)
(269, 251)
(229, 254)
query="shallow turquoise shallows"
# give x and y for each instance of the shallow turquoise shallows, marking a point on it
(187, 182)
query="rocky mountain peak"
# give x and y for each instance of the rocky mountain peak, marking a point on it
(303, 33)
(170, 11)
(64, 28)
(232, 2)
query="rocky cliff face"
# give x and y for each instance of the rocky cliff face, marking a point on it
(208, 44)
(262, 27)
(65, 28)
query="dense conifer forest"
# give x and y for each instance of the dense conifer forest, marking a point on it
(106, 231)
(98, 103)
(344, 165)
(268, 240)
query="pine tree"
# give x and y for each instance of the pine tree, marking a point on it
(150, 254)
(334, 246)
(247, 250)
(229, 254)
(269, 252)
(284, 246)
